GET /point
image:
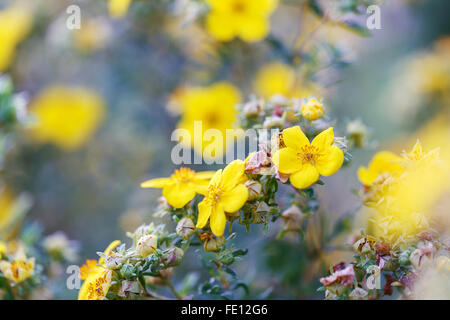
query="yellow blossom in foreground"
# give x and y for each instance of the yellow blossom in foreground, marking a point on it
(305, 161)
(382, 162)
(212, 107)
(277, 78)
(226, 193)
(312, 109)
(404, 204)
(182, 186)
(19, 269)
(118, 8)
(66, 116)
(247, 19)
(97, 279)
(15, 23)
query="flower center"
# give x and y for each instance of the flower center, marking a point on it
(213, 194)
(309, 153)
(183, 175)
(238, 6)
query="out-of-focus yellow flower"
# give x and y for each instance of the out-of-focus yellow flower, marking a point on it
(214, 106)
(2, 247)
(15, 23)
(382, 162)
(182, 186)
(66, 116)
(305, 161)
(247, 19)
(97, 279)
(118, 8)
(12, 211)
(405, 200)
(277, 78)
(93, 36)
(312, 109)
(19, 269)
(226, 192)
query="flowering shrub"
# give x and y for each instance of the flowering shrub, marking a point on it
(264, 198)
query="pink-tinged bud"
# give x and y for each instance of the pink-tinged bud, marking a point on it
(172, 257)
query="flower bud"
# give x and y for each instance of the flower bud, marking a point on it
(357, 133)
(259, 215)
(312, 109)
(172, 257)
(213, 244)
(146, 245)
(127, 270)
(252, 108)
(273, 122)
(113, 261)
(292, 218)
(185, 228)
(254, 189)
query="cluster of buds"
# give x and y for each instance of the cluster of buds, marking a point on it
(281, 112)
(379, 268)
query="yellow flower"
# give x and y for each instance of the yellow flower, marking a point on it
(277, 78)
(118, 8)
(182, 186)
(66, 116)
(405, 201)
(15, 23)
(305, 161)
(214, 106)
(2, 248)
(226, 193)
(97, 279)
(247, 19)
(312, 109)
(19, 269)
(382, 162)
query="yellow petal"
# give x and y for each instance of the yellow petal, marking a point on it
(235, 199)
(330, 162)
(156, 183)
(365, 176)
(204, 212)
(178, 194)
(204, 175)
(118, 8)
(294, 138)
(287, 161)
(220, 26)
(253, 28)
(305, 177)
(324, 140)
(232, 174)
(218, 220)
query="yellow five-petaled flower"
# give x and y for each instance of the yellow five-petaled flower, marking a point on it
(247, 19)
(305, 161)
(226, 192)
(97, 279)
(182, 185)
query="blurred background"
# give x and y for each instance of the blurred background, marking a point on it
(127, 69)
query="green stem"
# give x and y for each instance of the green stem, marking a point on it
(172, 289)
